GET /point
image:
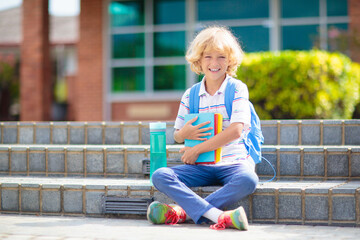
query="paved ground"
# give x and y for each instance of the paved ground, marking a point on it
(45, 227)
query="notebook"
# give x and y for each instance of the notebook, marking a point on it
(216, 120)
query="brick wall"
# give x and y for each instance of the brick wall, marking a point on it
(354, 14)
(145, 111)
(89, 82)
(35, 78)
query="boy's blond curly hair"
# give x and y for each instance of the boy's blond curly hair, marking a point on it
(215, 38)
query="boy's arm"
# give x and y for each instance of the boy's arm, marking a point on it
(178, 136)
(192, 132)
(231, 133)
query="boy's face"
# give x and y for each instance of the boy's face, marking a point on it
(214, 64)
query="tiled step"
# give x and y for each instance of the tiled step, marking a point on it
(73, 160)
(282, 132)
(67, 168)
(298, 162)
(311, 132)
(109, 133)
(295, 202)
(327, 162)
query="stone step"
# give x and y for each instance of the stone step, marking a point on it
(331, 202)
(276, 132)
(298, 162)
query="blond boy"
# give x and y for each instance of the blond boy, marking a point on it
(215, 53)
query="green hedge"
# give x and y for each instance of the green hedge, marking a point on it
(9, 89)
(301, 84)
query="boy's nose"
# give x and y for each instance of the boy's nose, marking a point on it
(214, 61)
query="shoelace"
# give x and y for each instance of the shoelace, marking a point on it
(171, 217)
(218, 226)
(182, 217)
(221, 225)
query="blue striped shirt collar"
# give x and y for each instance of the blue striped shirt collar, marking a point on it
(202, 90)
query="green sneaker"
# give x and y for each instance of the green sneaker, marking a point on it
(233, 219)
(160, 213)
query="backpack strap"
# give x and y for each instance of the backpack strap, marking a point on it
(194, 98)
(229, 96)
(254, 138)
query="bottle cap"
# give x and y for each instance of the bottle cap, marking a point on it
(157, 126)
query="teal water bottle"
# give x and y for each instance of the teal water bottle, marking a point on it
(157, 146)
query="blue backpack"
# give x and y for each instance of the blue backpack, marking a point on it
(255, 138)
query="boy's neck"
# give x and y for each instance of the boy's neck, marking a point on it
(212, 87)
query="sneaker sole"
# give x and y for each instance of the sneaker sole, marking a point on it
(148, 212)
(244, 225)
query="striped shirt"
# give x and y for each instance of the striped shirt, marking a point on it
(234, 151)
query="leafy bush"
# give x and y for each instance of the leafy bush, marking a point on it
(9, 88)
(301, 84)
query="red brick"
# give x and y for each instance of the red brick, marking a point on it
(120, 110)
(35, 74)
(89, 82)
(354, 15)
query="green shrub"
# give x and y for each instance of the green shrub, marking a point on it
(301, 84)
(9, 88)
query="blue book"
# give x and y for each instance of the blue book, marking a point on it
(207, 157)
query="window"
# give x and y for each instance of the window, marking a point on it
(336, 8)
(306, 24)
(148, 38)
(168, 44)
(169, 77)
(299, 37)
(252, 38)
(338, 38)
(210, 10)
(128, 45)
(126, 13)
(169, 12)
(297, 9)
(128, 79)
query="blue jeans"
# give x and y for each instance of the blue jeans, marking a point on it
(237, 181)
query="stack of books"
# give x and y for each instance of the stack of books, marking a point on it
(216, 120)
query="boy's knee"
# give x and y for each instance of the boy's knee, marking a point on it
(252, 180)
(160, 175)
(249, 180)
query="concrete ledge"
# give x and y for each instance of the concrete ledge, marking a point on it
(276, 132)
(301, 162)
(284, 201)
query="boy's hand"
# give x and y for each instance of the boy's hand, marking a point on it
(194, 132)
(190, 155)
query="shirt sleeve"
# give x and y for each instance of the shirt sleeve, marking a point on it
(183, 110)
(240, 107)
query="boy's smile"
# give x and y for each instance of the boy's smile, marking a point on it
(214, 64)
